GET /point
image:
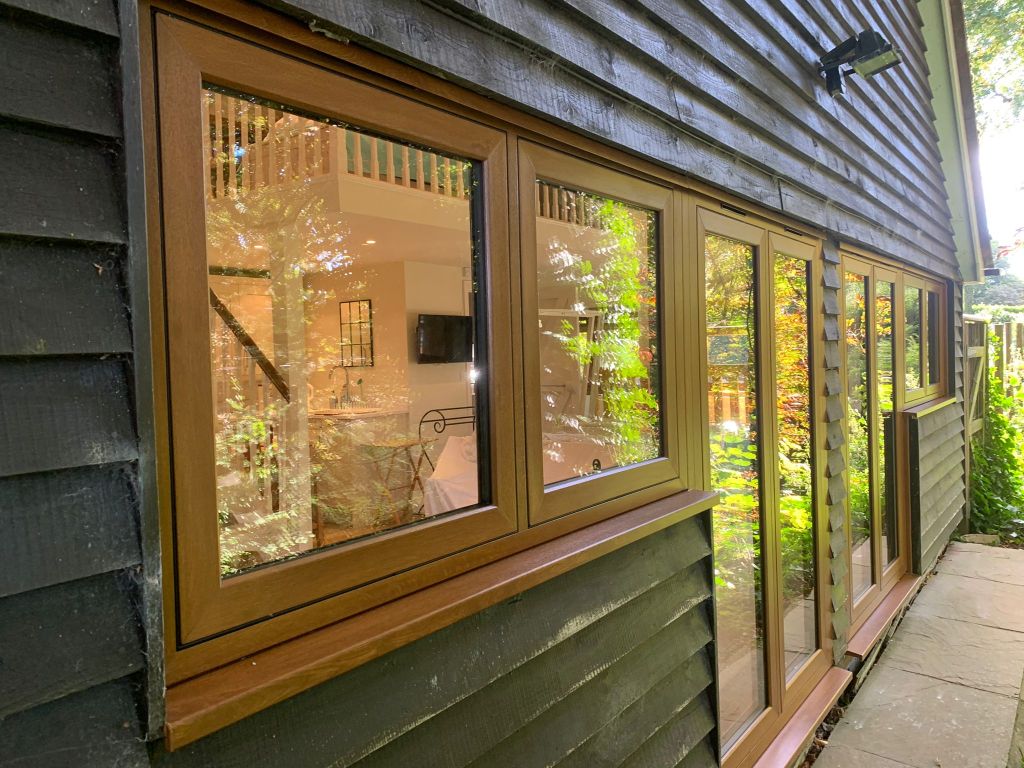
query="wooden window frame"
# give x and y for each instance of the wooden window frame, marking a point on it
(190, 57)
(882, 577)
(887, 576)
(810, 252)
(939, 388)
(618, 485)
(173, 43)
(865, 272)
(784, 694)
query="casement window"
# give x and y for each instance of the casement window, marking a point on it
(601, 402)
(894, 358)
(761, 288)
(347, 363)
(924, 353)
(338, 331)
(871, 308)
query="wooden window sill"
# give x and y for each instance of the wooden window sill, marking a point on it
(919, 410)
(788, 745)
(871, 631)
(216, 699)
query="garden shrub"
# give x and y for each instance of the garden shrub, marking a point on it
(997, 472)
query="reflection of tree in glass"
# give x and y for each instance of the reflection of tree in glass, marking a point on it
(885, 433)
(620, 286)
(884, 341)
(247, 451)
(281, 257)
(285, 231)
(858, 457)
(732, 386)
(792, 365)
(912, 337)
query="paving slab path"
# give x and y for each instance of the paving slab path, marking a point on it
(946, 691)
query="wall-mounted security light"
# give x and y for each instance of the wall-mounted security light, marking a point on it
(868, 54)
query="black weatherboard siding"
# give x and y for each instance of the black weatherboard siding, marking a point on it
(937, 482)
(723, 90)
(609, 665)
(71, 641)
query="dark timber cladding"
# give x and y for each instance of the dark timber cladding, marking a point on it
(70, 641)
(723, 90)
(608, 665)
(835, 463)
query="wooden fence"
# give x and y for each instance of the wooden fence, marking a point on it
(998, 347)
(976, 331)
(1007, 350)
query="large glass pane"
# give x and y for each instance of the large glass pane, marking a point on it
(913, 363)
(597, 284)
(885, 300)
(934, 321)
(858, 431)
(795, 457)
(732, 392)
(343, 286)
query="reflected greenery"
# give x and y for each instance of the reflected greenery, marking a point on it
(298, 464)
(735, 473)
(857, 430)
(913, 364)
(795, 456)
(886, 439)
(599, 278)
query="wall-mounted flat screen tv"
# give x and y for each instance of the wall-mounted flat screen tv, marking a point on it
(444, 339)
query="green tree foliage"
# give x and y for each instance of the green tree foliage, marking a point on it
(997, 476)
(793, 413)
(1001, 291)
(997, 59)
(858, 398)
(736, 445)
(621, 287)
(1004, 290)
(732, 372)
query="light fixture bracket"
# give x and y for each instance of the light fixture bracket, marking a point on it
(867, 53)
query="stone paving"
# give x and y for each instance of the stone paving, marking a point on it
(945, 692)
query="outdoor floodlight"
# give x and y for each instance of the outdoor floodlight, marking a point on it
(868, 53)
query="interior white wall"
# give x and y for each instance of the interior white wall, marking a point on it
(434, 289)
(386, 382)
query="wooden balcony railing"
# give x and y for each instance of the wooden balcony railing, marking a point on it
(251, 146)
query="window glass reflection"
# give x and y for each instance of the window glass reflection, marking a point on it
(597, 285)
(795, 459)
(342, 287)
(934, 321)
(912, 360)
(732, 402)
(858, 431)
(885, 294)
